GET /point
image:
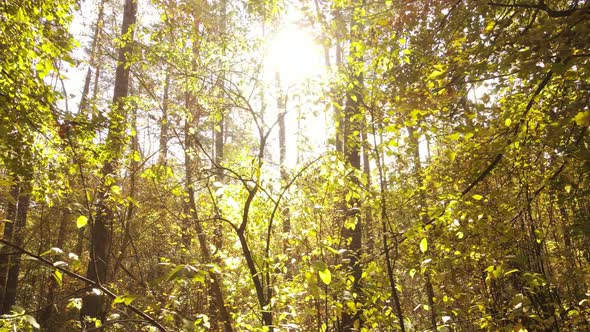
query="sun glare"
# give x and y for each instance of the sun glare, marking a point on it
(294, 54)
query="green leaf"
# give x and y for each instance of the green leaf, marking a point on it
(507, 122)
(435, 74)
(424, 245)
(477, 197)
(175, 272)
(510, 272)
(325, 276)
(412, 273)
(455, 136)
(125, 299)
(58, 276)
(582, 118)
(81, 221)
(116, 190)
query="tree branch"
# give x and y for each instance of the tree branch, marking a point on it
(97, 285)
(540, 5)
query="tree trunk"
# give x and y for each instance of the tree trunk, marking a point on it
(352, 207)
(164, 125)
(48, 315)
(352, 143)
(92, 62)
(217, 307)
(415, 152)
(93, 305)
(17, 210)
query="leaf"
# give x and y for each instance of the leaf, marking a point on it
(125, 299)
(507, 122)
(175, 273)
(435, 74)
(116, 190)
(81, 221)
(455, 136)
(325, 276)
(31, 320)
(58, 276)
(60, 263)
(424, 245)
(477, 197)
(582, 118)
(412, 273)
(510, 272)
(135, 156)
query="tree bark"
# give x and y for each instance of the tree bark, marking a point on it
(352, 151)
(164, 125)
(415, 152)
(93, 304)
(218, 307)
(17, 210)
(92, 62)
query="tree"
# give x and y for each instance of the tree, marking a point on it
(31, 44)
(102, 221)
(450, 194)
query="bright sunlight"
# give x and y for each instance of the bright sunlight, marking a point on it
(294, 54)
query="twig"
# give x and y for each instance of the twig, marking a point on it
(95, 284)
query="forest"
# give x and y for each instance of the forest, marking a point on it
(294, 165)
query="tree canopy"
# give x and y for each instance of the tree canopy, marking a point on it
(282, 165)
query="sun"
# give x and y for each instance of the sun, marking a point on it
(294, 57)
(294, 54)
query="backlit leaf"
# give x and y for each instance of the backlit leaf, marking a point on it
(81, 221)
(325, 276)
(424, 245)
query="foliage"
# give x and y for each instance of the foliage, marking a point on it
(451, 193)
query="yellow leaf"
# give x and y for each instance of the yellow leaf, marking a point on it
(325, 276)
(81, 221)
(424, 245)
(583, 118)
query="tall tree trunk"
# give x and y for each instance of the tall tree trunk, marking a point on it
(415, 153)
(93, 305)
(48, 315)
(352, 209)
(134, 168)
(17, 210)
(18, 237)
(219, 129)
(351, 319)
(282, 110)
(5, 256)
(218, 307)
(164, 125)
(385, 227)
(93, 52)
